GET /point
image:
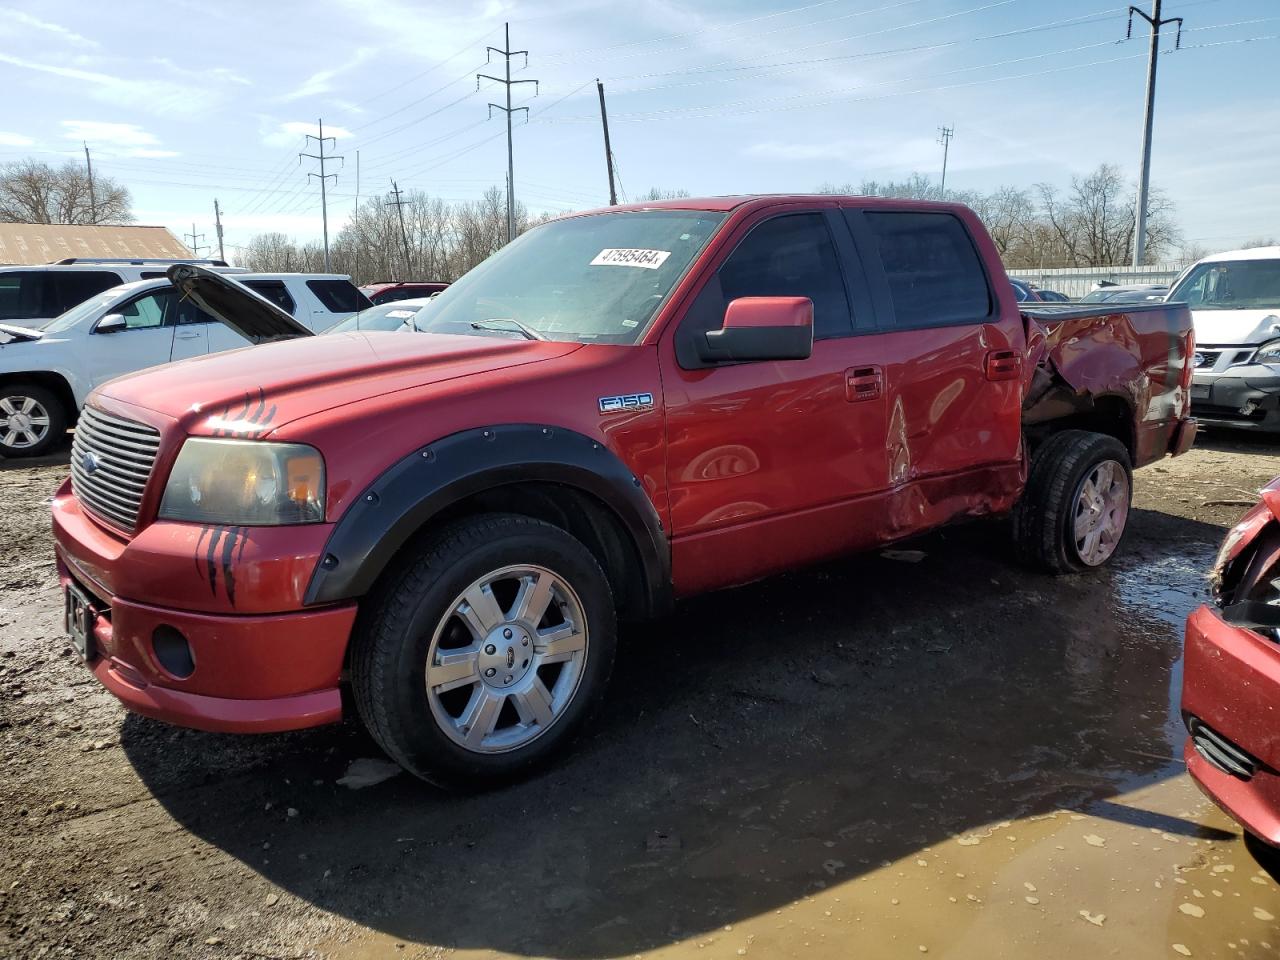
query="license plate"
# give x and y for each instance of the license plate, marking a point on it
(1200, 391)
(79, 617)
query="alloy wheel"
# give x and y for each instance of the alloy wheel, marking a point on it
(1101, 511)
(506, 659)
(24, 422)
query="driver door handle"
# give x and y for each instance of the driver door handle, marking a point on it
(863, 383)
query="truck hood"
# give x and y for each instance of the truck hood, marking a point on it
(1229, 327)
(257, 389)
(245, 311)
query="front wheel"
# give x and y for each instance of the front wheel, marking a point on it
(1075, 509)
(32, 419)
(487, 653)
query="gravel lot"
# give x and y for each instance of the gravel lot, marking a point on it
(875, 758)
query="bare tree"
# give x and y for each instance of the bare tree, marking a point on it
(659, 193)
(1260, 242)
(35, 192)
(1095, 222)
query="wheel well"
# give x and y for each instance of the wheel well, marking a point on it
(50, 381)
(581, 514)
(1110, 415)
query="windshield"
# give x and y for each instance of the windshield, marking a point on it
(1231, 285)
(387, 316)
(599, 278)
(76, 314)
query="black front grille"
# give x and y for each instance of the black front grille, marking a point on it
(1221, 752)
(111, 461)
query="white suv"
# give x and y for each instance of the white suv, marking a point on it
(46, 374)
(31, 296)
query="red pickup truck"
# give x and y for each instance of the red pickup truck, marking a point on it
(619, 409)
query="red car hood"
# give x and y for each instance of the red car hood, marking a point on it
(257, 389)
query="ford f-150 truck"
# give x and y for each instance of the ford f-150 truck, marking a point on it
(619, 409)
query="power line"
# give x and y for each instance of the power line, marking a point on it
(507, 53)
(944, 137)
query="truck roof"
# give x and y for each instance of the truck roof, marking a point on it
(725, 204)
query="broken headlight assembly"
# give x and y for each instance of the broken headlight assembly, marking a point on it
(245, 483)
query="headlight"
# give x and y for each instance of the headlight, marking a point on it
(245, 482)
(1268, 353)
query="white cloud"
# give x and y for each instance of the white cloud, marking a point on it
(291, 132)
(158, 96)
(15, 140)
(121, 139)
(35, 23)
(322, 80)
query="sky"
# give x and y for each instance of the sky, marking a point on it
(186, 101)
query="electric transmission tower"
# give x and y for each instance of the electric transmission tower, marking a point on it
(507, 54)
(404, 237)
(195, 239)
(322, 176)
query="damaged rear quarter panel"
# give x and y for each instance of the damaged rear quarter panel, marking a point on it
(1141, 356)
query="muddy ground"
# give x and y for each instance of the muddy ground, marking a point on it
(876, 758)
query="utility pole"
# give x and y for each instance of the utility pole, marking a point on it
(217, 219)
(1144, 174)
(322, 176)
(404, 237)
(608, 152)
(93, 200)
(507, 54)
(944, 137)
(195, 239)
(359, 232)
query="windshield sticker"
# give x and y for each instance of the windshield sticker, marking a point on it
(400, 314)
(631, 257)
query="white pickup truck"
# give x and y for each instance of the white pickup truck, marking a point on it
(46, 373)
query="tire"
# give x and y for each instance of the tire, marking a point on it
(440, 722)
(32, 420)
(1056, 498)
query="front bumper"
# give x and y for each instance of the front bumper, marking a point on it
(1231, 683)
(255, 668)
(1247, 397)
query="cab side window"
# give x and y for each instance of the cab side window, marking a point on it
(935, 276)
(788, 256)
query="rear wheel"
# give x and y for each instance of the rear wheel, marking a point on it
(1075, 509)
(32, 419)
(487, 654)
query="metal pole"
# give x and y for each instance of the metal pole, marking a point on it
(404, 237)
(608, 152)
(1148, 121)
(359, 232)
(511, 166)
(93, 200)
(217, 217)
(944, 137)
(324, 201)
(1144, 174)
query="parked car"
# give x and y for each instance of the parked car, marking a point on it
(1235, 302)
(46, 374)
(1052, 296)
(1231, 675)
(389, 290)
(1127, 293)
(31, 296)
(396, 315)
(616, 409)
(1024, 292)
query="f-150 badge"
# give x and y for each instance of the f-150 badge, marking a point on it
(630, 402)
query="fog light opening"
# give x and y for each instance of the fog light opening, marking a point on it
(173, 651)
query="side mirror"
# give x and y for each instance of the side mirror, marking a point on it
(112, 323)
(761, 328)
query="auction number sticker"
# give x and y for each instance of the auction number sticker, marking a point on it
(631, 257)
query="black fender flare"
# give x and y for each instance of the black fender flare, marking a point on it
(409, 493)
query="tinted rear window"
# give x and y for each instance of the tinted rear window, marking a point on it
(275, 291)
(935, 276)
(76, 286)
(339, 296)
(22, 295)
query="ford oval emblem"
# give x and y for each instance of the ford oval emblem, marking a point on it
(89, 462)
